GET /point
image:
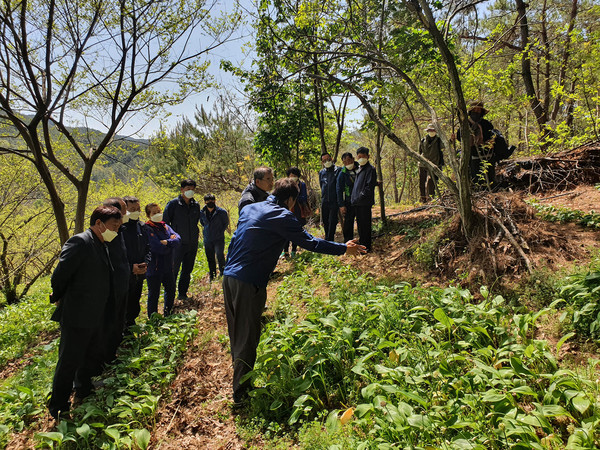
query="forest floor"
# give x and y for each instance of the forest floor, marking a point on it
(200, 414)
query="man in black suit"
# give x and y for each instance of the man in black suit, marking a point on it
(81, 288)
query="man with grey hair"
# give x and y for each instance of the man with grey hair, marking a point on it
(258, 189)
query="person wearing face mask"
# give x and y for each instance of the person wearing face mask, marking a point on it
(255, 247)
(431, 148)
(215, 221)
(344, 184)
(81, 288)
(482, 169)
(301, 209)
(115, 323)
(138, 255)
(183, 215)
(163, 241)
(258, 189)
(363, 196)
(329, 205)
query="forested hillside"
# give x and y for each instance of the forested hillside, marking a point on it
(474, 322)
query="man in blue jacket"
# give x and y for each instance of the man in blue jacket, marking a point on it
(344, 184)
(329, 203)
(263, 230)
(363, 196)
(215, 222)
(183, 214)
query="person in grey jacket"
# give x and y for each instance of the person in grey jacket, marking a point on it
(215, 221)
(431, 148)
(363, 196)
(82, 290)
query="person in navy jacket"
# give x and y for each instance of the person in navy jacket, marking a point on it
(163, 241)
(183, 214)
(215, 221)
(329, 204)
(363, 196)
(138, 255)
(263, 229)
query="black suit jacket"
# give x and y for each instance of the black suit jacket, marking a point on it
(81, 282)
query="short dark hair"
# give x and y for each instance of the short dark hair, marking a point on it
(344, 155)
(362, 151)
(285, 188)
(104, 213)
(148, 207)
(293, 170)
(325, 154)
(129, 199)
(260, 172)
(187, 182)
(208, 197)
(114, 201)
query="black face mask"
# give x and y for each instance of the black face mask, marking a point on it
(210, 205)
(475, 116)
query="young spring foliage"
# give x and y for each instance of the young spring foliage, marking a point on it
(421, 367)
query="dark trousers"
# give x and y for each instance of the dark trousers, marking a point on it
(348, 227)
(80, 357)
(244, 304)
(136, 284)
(184, 258)
(211, 249)
(154, 282)
(329, 216)
(114, 325)
(427, 184)
(364, 215)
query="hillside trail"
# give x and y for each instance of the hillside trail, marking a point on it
(199, 412)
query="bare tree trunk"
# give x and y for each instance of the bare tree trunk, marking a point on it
(394, 181)
(536, 105)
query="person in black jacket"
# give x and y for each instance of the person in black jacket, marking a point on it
(329, 204)
(81, 288)
(115, 322)
(363, 196)
(258, 189)
(215, 221)
(344, 184)
(483, 170)
(183, 214)
(138, 255)
(430, 147)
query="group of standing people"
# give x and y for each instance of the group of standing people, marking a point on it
(348, 192)
(97, 284)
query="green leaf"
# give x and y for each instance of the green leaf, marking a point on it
(142, 438)
(563, 340)
(581, 403)
(441, 317)
(83, 431)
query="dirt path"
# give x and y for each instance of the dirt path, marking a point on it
(199, 413)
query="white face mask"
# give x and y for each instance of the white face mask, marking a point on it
(157, 217)
(328, 164)
(189, 193)
(350, 166)
(431, 133)
(294, 179)
(362, 161)
(126, 217)
(135, 215)
(109, 235)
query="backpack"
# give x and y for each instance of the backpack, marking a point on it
(501, 149)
